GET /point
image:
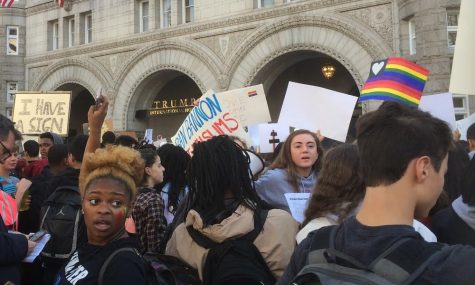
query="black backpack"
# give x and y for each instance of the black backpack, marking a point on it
(402, 263)
(159, 269)
(61, 217)
(235, 261)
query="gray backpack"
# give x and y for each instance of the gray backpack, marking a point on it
(401, 263)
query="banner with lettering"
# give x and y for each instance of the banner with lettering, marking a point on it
(36, 113)
(210, 117)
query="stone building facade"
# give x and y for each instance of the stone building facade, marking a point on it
(146, 51)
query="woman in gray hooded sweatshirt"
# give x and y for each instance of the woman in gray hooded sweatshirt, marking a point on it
(293, 171)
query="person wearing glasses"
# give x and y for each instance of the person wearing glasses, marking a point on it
(13, 246)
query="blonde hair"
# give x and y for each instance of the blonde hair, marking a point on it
(117, 162)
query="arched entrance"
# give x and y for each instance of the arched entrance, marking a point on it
(81, 99)
(163, 101)
(304, 67)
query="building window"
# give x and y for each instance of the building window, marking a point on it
(12, 88)
(9, 113)
(265, 3)
(412, 37)
(144, 18)
(71, 31)
(12, 40)
(88, 28)
(55, 37)
(452, 27)
(189, 11)
(460, 106)
(167, 13)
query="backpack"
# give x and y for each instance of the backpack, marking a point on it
(8, 210)
(61, 217)
(402, 263)
(159, 269)
(235, 261)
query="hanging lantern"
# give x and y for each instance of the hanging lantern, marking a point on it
(328, 70)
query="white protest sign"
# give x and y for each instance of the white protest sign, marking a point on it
(297, 204)
(462, 125)
(148, 137)
(440, 106)
(36, 113)
(268, 136)
(248, 104)
(208, 119)
(315, 108)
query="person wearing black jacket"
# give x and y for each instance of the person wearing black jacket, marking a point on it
(67, 177)
(13, 247)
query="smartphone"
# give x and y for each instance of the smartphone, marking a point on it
(38, 235)
(98, 98)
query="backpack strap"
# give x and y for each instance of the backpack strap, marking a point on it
(109, 259)
(205, 242)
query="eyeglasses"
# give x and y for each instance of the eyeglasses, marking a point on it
(6, 153)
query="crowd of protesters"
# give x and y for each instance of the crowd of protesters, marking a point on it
(406, 181)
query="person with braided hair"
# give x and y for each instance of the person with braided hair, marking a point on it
(221, 205)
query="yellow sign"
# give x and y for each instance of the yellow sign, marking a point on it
(35, 113)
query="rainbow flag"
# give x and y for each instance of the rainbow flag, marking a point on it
(395, 79)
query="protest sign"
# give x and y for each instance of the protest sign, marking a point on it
(462, 125)
(315, 108)
(268, 136)
(208, 118)
(248, 104)
(463, 66)
(148, 137)
(36, 113)
(297, 204)
(440, 106)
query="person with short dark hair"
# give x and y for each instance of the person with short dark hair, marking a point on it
(13, 247)
(125, 140)
(67, 177)
(108, 138)
(403, 158)
(34, 165)
(46, 140)
(471, 140)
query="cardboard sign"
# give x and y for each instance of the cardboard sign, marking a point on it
(208, 119)
(462, 125)
(36, 113)
(315, 108)
(268, 136)
(248, 104)
(440, 106)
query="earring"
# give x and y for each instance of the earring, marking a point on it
(82, 211)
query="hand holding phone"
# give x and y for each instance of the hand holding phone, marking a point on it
(38, 235)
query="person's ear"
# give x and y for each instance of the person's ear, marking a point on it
(422, 167)
(148, 170)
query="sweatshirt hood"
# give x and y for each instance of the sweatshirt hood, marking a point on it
(464, 211)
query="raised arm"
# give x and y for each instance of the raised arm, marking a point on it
(95, 117)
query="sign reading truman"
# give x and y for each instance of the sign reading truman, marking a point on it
(36, 113)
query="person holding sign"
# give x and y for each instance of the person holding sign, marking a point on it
(294, 171)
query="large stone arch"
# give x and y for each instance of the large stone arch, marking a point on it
(350, 42)
(185, 57)
(85, 72)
